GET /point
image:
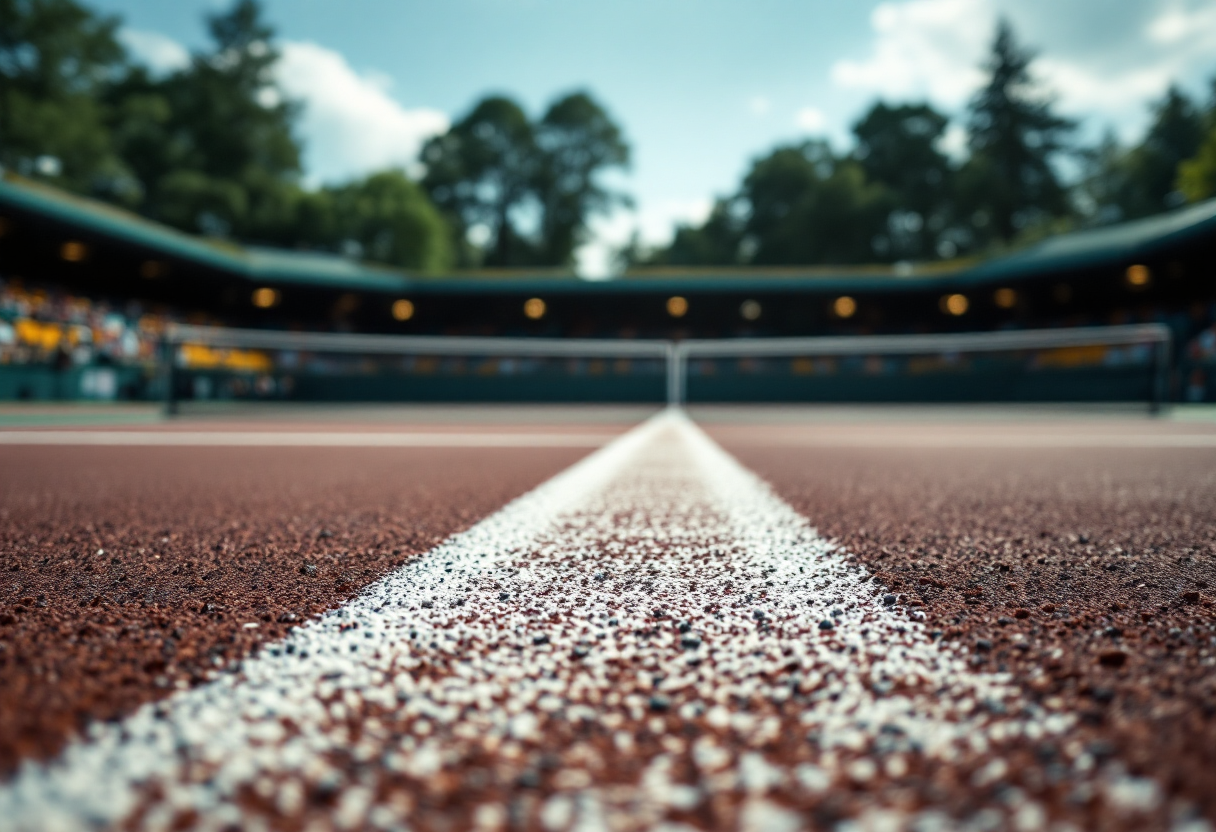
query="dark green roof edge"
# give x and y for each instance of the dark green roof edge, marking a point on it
(1095, 248)
(254, 264)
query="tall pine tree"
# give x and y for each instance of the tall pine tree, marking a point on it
(1014, 137)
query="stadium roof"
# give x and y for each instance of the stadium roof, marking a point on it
(1113, 245)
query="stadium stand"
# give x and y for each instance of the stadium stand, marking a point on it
(86, 289)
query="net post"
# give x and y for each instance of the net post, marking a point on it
(169, 374)
(1162, 354)
(675, 374)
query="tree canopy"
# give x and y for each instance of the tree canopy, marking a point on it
(527, 187)
(213, 148)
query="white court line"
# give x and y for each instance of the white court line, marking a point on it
(555, 619)
(310, 439)
(897, 440)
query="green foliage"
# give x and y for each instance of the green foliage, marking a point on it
(577, 139)
(1197, 175)
(55, 58)
(1146, 176)
(388, 216)
(807, 206)
(210, 148)
(225, 160)
(480, 173)
(898, 149)
(716, 242)
(532, 186)
(1014, 137)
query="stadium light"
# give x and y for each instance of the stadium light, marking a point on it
(74, 251)
(403, 309)
(844, 307)
(265, 297)
(1138, 276)
(677, 307)
(534, 308)
(955, 304)
(1005, 298)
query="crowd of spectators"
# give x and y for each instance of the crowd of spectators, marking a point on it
(43, 326)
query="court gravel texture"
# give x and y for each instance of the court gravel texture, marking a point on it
(657, 637)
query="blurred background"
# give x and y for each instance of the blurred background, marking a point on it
(626, 170)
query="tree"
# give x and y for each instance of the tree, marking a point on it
(716, 242)
(387, 215)
(528, 188)
(897, 147)
(213, 145)
(577, 140)
(482, 173)
(1014, 136)
(806, 206)
(1197, 176)
(56, 56)
(1150, 170)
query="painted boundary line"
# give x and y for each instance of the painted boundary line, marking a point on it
(486, 647)
(963, 440)
(301, 439)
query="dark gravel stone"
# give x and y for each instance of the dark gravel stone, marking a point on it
(827, 624)
(889, 599)
(659, 703)
(540, 640)
(690, 642)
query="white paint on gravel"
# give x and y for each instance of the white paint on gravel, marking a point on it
(641, 636)
(303, 439)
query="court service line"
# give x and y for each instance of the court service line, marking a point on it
(895, 440)
(657, 598)
(311, 439)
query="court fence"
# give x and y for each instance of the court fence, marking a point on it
(1130, 361)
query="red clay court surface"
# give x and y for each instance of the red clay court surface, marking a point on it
(1000, 619)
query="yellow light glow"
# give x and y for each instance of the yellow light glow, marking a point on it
(955, 304)
(265, 297)
(534, 308)
(74, 251)
(1005, 298)
(3, 226)
(152, 269)
(677, 307)
(844, 307)
(403, 309)
(1138, 276)
(750, 310)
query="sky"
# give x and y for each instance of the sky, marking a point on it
(700, 87)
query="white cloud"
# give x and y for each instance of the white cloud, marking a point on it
(351, 124)
(933, 49)
(759, 105)
(810, 119)
(1180, 25)
(923, 48)
(162, 54)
